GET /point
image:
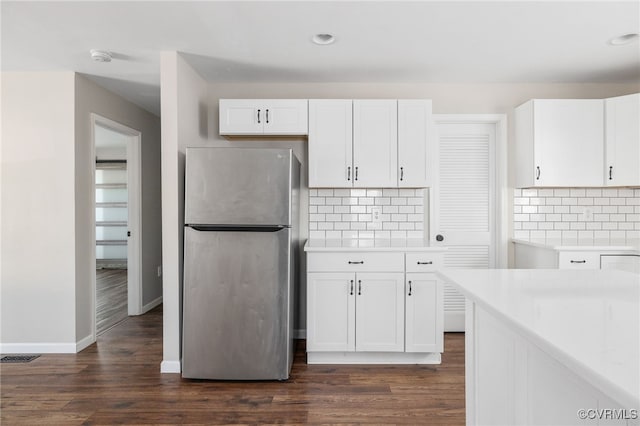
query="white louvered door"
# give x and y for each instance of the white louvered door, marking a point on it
(462, 211)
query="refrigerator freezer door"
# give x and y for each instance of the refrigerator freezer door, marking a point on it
(238, 297)
(238, 186)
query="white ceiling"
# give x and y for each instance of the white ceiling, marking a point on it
(269, 41)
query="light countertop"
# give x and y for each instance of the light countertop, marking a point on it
(630, 245)
(587, 320)
(413, 244)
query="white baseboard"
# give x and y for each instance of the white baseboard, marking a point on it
(84, 343)
(373, 358)
(300, 333)
(170, 367)
(38, 348)
(149, 306)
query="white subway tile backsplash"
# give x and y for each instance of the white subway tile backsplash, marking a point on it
(554, 201)
(562, 213)
(382, 201)
(347, 213)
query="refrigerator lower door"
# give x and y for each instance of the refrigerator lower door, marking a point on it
(237, 307)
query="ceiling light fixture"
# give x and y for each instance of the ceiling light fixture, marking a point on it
(624, 39)
(323, 39)
(100, 55)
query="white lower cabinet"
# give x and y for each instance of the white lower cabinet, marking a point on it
(363, 309)
(424, 320)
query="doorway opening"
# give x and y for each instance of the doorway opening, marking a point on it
(117, 291)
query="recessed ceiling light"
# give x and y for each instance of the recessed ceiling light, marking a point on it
(323, 39)
(624, 39)
(100, 55)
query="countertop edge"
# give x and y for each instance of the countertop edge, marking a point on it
(600, 381)
(572, 247)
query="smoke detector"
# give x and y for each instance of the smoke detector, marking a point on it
(100, 55)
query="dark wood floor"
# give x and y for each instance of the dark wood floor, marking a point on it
(111, 298)
(117, 381)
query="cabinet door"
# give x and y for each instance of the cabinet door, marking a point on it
(330, 143)
(568, 142)
(414, 128)
(241, 117)
(285, 116)
(331, 312)
(424, 313)
(380, 312)
(622, 141)
(375, 143)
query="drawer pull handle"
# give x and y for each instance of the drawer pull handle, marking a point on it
(351, 290)
(425, 263)
(578, 261)
(360, 262)
(410, 288)
(359, 287)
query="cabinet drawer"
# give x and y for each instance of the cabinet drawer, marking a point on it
(424, 262)
(355, 262)
(579, 260)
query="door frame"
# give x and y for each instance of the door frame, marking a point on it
(502, 217)
(134, 213)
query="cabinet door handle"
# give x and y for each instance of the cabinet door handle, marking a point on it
(359, 262)
(267, 116)
(356, 172)
(425, 263)
(610, 172)
(537, 172)
(258, 116)
(410, 288)
(401, 173)
(351, 289)
(578, 261)
(349, 173)
(359, 287)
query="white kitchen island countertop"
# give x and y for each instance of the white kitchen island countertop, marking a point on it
(589, 321)
(346, 245)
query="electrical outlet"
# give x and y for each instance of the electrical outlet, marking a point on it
(587, 214)
(159, 271)
(376, 213)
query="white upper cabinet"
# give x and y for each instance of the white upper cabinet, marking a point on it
(330, 143)
(369, 143)
(263, 116)
(559, 142)
(414, 128)
(622, 141)
(375, 143)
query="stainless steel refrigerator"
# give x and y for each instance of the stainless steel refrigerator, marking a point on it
(240, 259)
